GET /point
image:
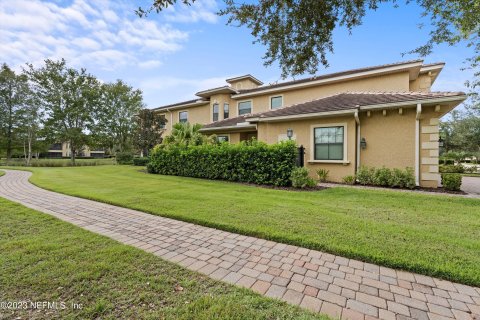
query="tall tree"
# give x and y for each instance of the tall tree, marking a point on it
(115, 116)
(14, 93)
(149, 130)
(299, 33)
(31, 116)
(69, 98)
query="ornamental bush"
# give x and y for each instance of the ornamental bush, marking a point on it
(365, 175)
(300, 178)
(124, 158)
(251, 162)
(452, 181)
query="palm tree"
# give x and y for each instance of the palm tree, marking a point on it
(186, 134)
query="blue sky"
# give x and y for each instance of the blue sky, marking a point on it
(183, 50)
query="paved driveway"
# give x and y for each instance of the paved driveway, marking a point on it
(342, 288)
(471, 185)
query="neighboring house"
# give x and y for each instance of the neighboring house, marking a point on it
(376, 116)
(62, 150)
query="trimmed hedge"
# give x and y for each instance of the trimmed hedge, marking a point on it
(251, 162)
(143, 161)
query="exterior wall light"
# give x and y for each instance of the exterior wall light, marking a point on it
(363, 143)
(441, 142)
(289, 133)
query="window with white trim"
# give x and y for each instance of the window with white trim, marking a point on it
(276, 102)
(222, 139)
(329, 143)
(226, 110)
(244, 107)
(183, 116)
(215, 112)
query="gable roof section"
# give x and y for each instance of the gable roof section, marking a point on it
(413, 66)
(247, 76)
(348, 102)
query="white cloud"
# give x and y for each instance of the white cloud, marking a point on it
(104, 34)
(149, 64)
(200, 10)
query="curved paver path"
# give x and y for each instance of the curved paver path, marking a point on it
(319, 281)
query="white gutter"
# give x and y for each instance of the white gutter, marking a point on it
(357, 120)
(417, 144)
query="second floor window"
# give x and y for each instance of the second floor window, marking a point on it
(183, 116)
(226, 111)
(162, 125)
(215, 112)
(244, 107)
(276, 102)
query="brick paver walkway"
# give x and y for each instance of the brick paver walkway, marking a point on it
(319, 281)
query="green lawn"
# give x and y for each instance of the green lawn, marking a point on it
(434, 235)
(45, 259)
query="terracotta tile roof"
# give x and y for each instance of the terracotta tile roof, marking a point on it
(339, 102)
(351, 100)
(228, 122)
(330, 75)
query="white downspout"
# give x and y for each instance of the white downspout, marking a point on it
(357, 120)
(417, 144)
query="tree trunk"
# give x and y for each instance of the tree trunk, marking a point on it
(30, 138)
(72, 153)
(25, 152)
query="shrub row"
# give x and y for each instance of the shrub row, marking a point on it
(386, 177)
(252, 162)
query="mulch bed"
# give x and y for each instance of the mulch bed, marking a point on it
(417, 189)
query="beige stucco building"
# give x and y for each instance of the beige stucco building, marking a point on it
(62, 150)
(376, 116)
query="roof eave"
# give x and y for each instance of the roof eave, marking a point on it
(413, 67)
(187, 105)
(236, 128)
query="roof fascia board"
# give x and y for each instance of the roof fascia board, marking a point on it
(329, 80)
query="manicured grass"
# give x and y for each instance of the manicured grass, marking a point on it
(433, 235)
(2, 173)
(45, 259)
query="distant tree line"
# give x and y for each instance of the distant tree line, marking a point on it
(56, 103)
(461, 134)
